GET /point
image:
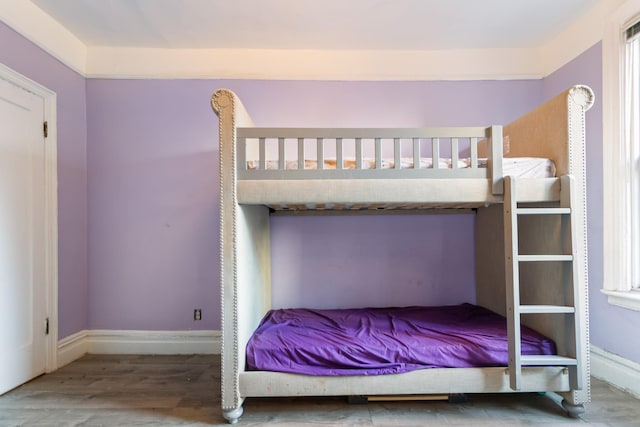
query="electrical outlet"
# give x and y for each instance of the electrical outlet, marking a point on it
(197, 314)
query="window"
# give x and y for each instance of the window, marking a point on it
(632, 132)
(621, 155)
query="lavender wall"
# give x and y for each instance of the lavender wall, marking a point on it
(153, 216)
(607, 322)
(364, 261)
(29, 60)
(153, 245)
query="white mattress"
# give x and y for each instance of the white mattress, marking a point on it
(523, 167)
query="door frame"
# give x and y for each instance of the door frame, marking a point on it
(50, 205)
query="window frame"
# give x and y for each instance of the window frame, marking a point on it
(618, 248)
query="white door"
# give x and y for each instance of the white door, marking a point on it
(22, 236)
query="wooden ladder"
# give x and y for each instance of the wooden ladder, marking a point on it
(515, 309)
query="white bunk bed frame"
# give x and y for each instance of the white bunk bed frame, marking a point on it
(551, 213)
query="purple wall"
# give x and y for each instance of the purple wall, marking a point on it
(606, 321)
(153, 219)
(29, 60)
(374, 260)
(153, 215)
(429, 103)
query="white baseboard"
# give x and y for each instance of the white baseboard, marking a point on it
(137, 342)
(615, 370)
(153, 342)
(72, 347)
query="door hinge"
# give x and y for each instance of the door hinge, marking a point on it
(45, 129)
(46, 326)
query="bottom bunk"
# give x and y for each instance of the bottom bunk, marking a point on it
(373, 352)
(546, 366)
(379, 341)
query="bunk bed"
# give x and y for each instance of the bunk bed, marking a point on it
(531, 249)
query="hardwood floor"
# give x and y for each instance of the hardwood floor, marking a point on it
(101, 390)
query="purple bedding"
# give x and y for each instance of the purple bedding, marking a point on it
(375, 341)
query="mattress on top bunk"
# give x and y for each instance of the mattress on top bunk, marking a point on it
(522, 167)
(376, 341)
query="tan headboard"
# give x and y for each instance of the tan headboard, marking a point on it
(551, 130)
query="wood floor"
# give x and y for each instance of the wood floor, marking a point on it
(99, 390)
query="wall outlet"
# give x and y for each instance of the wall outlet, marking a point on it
(197, 314)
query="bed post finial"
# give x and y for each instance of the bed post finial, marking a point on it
(582, 95)
(221, 99)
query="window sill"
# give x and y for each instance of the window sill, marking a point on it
(625, 299)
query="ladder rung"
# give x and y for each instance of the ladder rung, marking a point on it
(545, 360)
(533, 258)
(543, 211)
(546, 309)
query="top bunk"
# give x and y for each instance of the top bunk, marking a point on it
(355, 169)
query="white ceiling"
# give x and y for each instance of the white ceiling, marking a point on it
(316, 24)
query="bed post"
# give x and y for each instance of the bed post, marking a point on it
(495, 152)
(245, 275)
(579, 99)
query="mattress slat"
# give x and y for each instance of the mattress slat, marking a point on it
(301, 153)
(454, 153)
(474, 153)
(320, 151)
(435, 153)
(282, 163)
(263, 154)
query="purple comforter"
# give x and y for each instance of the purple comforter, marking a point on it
(375, 341)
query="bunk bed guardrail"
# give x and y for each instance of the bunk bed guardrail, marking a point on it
(356, 153)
